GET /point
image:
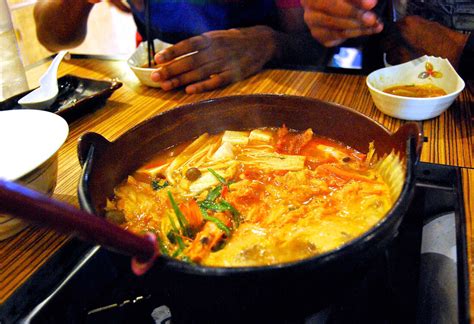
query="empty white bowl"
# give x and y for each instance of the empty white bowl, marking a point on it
(424, 70)
(29, 142)
(139, 59)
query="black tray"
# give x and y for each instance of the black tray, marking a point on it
(77, 96)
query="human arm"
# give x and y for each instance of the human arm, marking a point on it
(61, 24)
(333, 22)
(226, 56)
(425, 38)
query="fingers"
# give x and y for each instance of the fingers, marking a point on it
(338, 5)
(210, 61)
(202, 77)
(364, 4)
(192, 75)
(332, 22)
(321, 19)
(120, 5)
(332, 37)
(342, 9)
(193, 44)
(187, 63)
(138, 4)
(214, 82)
(179, 71)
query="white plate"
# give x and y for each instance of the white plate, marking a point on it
(27, 139)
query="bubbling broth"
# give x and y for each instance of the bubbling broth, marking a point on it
(419, 91)
(252, 198)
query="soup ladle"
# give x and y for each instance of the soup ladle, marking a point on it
(34, 207)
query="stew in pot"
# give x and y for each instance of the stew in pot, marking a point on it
(257, 197)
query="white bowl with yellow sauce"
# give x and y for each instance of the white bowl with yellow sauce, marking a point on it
(426, 72)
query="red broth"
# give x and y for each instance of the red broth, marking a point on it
(253, 198)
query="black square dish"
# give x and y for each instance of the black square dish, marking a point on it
(77, 96)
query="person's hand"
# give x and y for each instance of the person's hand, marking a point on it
(333, 22)
(222, 57)
(425, 38)
(121, 5)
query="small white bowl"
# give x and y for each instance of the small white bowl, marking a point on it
(416, 72)
(29, 142)
(139, 59)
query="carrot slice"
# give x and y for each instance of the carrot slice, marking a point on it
(192, 213)
(343, 174)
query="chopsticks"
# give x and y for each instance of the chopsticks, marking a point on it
(35, 207)
(149, 37)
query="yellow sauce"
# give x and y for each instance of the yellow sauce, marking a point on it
(418, 91)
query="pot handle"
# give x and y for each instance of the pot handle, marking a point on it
(410, 130)
(91, 140)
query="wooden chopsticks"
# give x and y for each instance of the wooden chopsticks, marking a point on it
(149, 37)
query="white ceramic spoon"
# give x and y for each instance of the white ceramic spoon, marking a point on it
(46, 94)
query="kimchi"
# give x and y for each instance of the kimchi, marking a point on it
(257, 197)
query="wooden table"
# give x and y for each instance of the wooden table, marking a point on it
(449, 141)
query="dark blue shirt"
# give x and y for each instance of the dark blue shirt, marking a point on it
(175, 20)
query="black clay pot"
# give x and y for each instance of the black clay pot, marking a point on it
(243, 294)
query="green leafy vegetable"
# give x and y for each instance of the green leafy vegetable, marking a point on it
(158, 184)
(218, 177)
(216, 221)
(183, 223)
(235, 213)
(162, 245)
(214, 193)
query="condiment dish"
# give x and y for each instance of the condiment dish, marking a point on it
(138, 62)
(426, 70)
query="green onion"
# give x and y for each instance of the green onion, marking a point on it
(177, 252)
(179, 215)
(173, 224)
(181, 244)
(159, 184)
(214, 193)
(235, 213)
(162, 245)
(220, 206)
(206, 204)
(216, 221)
(218, 177)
